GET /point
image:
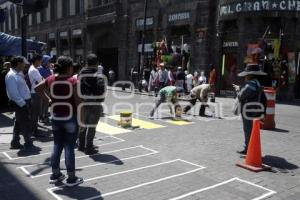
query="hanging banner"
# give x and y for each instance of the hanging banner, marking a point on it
(259, 5)
(223, 64)
(292, 67)
(298, 64)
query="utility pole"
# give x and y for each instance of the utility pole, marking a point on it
(24, 33)
(28, 6)
(141, 68)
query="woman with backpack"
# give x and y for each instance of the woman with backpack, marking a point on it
(64, 100)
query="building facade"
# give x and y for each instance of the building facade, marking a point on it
(113, 29)
(215, 31)
(273, 26)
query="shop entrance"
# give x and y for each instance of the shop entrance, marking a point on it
(109, 59)
(228, 73)
(78, 50)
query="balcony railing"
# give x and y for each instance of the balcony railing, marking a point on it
(102, 10)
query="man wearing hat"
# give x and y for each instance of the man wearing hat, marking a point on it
(199, 92)
(251, 92)
(45, 72)
(168, 95)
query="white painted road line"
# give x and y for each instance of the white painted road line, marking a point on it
(144, 184)
(51, 190)
(152, 152)
(7, 156)
(48, 153)
(270, 192)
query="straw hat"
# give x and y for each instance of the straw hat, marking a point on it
(252, 69)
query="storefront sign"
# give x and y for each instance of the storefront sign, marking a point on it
(51, 35)
(230, 44)
(179, 16)
(292, 67)
(76, 32)
(140, 22)
(148, 48)
(63, 34)
(259, 5)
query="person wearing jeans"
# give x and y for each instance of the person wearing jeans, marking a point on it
(65, 135)
(90, 117)
(92, 88)
(64, 99)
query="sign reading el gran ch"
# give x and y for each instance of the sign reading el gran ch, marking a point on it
(259, 5)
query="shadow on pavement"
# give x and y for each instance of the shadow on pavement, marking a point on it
(105, 158)
(279, 163)
(278, 130)
(5, 121)
(41, 167)
(12, 188)
(79, 192)
(25, 153)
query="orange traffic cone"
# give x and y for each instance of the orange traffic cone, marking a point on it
(253, 160)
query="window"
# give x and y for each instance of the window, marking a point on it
(6, 21)
(103, 2)
(12, 17)
(43, 15)
(34, 18)
(53, 5)
(79, 6)
(18, 17)
(66, 8)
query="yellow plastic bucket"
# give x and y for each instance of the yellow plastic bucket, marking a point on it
(126, 119)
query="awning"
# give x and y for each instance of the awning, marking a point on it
(12, 46)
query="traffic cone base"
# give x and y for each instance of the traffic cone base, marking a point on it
(253, 161)
(254, 169)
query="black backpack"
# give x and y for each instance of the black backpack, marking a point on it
(259, 97)
(92, 83)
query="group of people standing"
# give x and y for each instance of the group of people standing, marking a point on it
(163, 76)
(74, 95)
(171, 85)
(20, 81)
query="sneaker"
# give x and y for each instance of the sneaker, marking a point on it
(32, 148)
(91, 151)
(16, 146)
(71, 182)
(81, 149)
(243, 152)
(57, 178)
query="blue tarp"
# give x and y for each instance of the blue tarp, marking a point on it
(12, 46)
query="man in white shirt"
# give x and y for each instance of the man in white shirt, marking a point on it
(163, 76)
(189, 81)
(35, 78)
(100, 69)
(19, 96)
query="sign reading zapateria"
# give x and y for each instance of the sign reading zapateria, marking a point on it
(259, 5)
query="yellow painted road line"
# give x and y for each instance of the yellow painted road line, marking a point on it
(141, 123)
(110, 130)
(179, 123)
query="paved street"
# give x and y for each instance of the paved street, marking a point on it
(163, 159)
